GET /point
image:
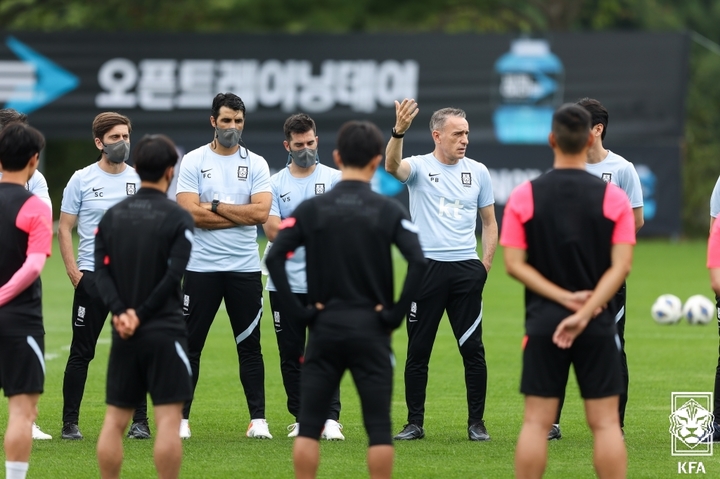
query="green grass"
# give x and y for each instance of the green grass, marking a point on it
(662, 359)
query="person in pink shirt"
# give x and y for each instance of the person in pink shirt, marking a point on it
(568, 237)
(25, 243)
(713, 264)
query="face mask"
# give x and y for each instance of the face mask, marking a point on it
(228, 137)
(117, 152)
(304, 158)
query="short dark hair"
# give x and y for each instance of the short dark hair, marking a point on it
(598, 113)
(230, 100)
(152, 155)
(571, 128)
(358, 142)
(8, 115)
(108, 120)
(298, 123)
(18, 143)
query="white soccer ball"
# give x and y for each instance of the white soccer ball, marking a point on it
(699, 310)
(667, 309)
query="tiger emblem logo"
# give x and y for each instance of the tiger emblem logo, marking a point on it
(691, 423)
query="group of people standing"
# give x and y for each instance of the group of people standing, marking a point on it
(162, 270)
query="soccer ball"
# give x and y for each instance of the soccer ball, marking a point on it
(699, 310)
(667, 309)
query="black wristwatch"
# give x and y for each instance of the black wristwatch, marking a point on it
(395, 134)
(214, 206)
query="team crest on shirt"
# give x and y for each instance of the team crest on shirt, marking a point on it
(242, 173)
(606, 177)
(466, 179)
(130, 189)
(319, 188)
(81, 311)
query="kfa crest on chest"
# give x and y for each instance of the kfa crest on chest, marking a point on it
(606, 177)
(242, 173)
(319, 189)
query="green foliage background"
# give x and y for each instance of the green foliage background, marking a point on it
(702, 135)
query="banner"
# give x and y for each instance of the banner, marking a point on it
(509, 87)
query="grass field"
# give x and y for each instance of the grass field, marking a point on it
(662, 359)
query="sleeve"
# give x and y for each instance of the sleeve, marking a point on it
(103, 279)
(715, 200)
(519, 209)
(616, 207)
(188, 177)
(23, 277)
(412, 177)
(34, 218)
(632, 187)
(72, 195)
(181, 230)
(38, 187)
(289, 238)
(274, 205)
(486, 197)
(713, 252)
(406, 238)
(260, 177)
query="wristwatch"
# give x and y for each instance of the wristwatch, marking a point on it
(214, 206)
(395, 134)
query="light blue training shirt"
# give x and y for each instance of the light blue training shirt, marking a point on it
(444, 203)
(231, 179)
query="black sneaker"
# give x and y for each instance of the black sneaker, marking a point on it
(410, 432)
(139, 430)
(70, 430)
(477, 432)
(554, 432)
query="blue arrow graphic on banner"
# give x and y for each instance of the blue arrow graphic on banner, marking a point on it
(52, 82)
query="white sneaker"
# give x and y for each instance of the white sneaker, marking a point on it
(38, 434)
(331, 431)
(294, 429)
(258, 428)
(184, 429)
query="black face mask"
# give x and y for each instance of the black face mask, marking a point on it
(118, 152)
(228, 137)
(304, 158)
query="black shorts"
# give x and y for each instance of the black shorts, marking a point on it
(22, 364)
(341, 340)
(156, 362)
(596, 360)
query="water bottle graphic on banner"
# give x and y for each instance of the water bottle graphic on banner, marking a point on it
(530, 87)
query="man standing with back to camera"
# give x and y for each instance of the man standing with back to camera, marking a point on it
(226, 189)
(142, 246)
(611, 168)
(304, 177)
(569, 238)
(89, 193)
(447, 190)
(348, 233)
